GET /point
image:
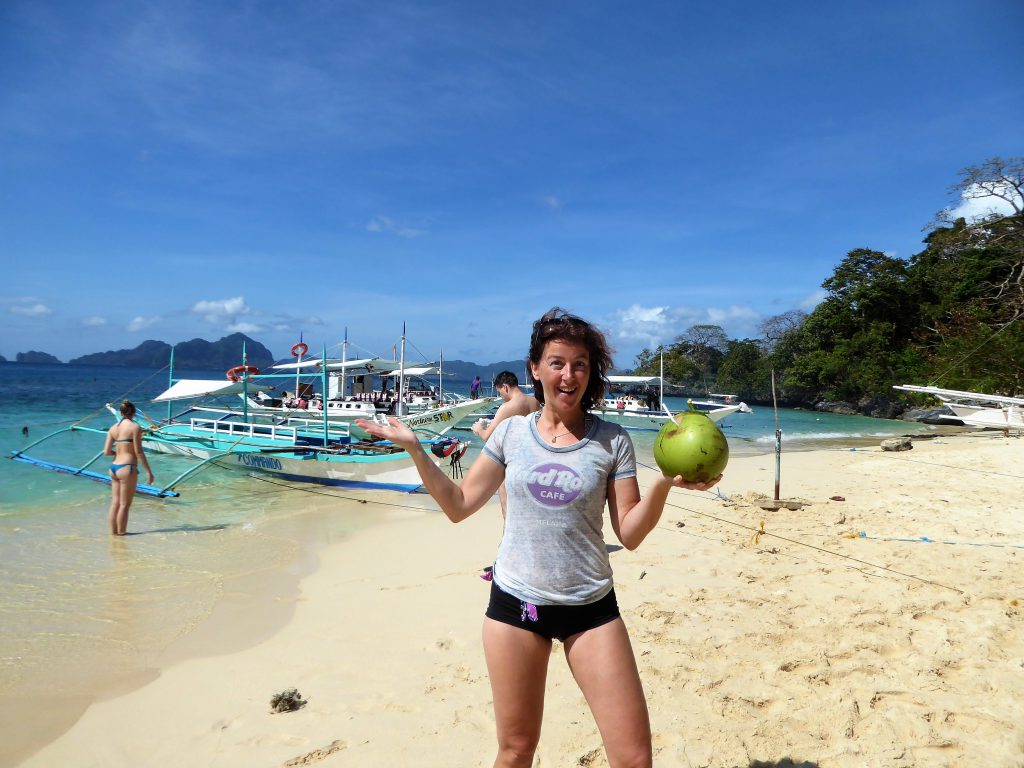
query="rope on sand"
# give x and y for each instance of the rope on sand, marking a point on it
(893, 457)
(757, 533)
(926, 540)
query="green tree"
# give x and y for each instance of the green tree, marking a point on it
(705, 347)
(746, 371)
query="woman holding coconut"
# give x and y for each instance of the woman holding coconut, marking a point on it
(552, 578)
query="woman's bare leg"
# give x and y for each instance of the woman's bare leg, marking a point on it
(127, 478)
(115, 502)
(601, 660)
(517, 662)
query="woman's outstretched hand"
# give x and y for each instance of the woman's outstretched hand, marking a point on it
(678, 482)
(395, 431)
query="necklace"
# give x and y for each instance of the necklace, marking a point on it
(554, 438)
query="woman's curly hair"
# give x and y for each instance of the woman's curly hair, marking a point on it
(557, 324)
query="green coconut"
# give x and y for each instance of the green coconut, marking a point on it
(692, 446)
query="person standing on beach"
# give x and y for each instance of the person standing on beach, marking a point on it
(517, 403)
(552, 578)
(474, 389)
(124, 443)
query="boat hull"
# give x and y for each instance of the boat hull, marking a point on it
(645, 420)
(394, 472)
(1007, 417)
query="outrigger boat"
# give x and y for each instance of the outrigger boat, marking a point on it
(303, 450)
(403, 393)
(641, 404)
(976, 409)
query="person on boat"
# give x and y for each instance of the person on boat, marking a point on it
(552, 578)
(474, 389)
(124, 443)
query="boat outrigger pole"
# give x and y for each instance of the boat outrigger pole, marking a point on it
(400, 408)
(170, 383)
(325, 395)
(84, 471)
(298, 363)
(245, 384)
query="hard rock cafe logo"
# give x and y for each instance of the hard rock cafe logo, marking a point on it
(554, 485)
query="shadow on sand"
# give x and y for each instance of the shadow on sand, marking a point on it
(786, 762)
(182, 529)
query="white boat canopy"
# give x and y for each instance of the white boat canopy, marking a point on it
(369, 363)
(422, 371)
(956, 394)
(633, 379)
(191, 388)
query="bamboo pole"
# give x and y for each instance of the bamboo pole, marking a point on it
(778, 440)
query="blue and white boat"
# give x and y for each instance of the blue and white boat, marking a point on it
(364, 388)
(301, 450)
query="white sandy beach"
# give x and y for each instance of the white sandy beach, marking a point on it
(807, 643)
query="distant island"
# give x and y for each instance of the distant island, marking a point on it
(197, 354)
(37, 358)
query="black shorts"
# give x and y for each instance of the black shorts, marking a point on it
(551, 621)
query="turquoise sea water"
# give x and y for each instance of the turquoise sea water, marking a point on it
(72, 593)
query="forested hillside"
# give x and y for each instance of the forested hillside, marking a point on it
(950, 315)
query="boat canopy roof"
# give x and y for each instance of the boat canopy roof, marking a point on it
(633, 379)
(956, 394)
(375, 365)
(369, 363)
(421, 371)
(186, 389)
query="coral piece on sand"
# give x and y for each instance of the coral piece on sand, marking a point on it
(287, 701)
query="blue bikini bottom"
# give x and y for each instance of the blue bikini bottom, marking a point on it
(115, 467)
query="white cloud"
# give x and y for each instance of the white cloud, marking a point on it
(552, 202)
(972, 207)
(94, 321)
(33, 310)
(382, 224)
(142, 323)
(654, 326)
(217, 310)
(244, 328)
(810, 302)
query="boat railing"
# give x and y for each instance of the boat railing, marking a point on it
(242, 429)
(335, 429)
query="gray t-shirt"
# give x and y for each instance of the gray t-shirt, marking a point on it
(553, 550)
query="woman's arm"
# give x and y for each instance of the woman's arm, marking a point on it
(457, 501)
(634, 517)
(137, 442)
(108, 446)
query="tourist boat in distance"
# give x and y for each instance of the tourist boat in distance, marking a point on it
(976, 409)
(638, 402)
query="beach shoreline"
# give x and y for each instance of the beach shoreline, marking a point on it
(845, 633)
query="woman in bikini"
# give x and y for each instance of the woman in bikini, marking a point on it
(552, 578)
(124, 443)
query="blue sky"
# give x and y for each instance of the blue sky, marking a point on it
(180, 170)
